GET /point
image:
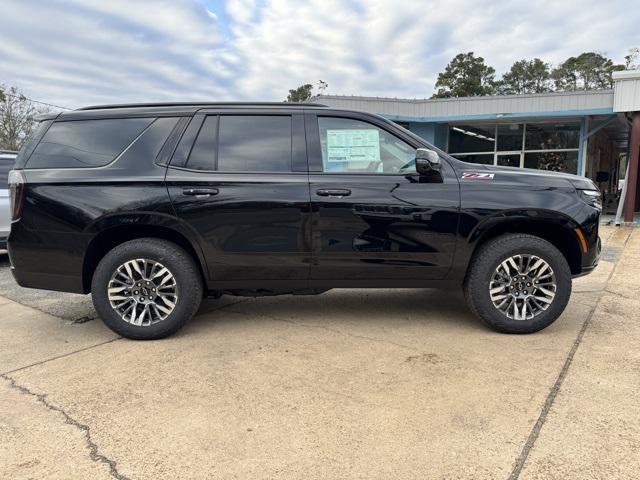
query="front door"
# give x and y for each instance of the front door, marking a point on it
(375, 221)
(243, 189)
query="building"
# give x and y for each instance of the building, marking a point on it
(586, 132)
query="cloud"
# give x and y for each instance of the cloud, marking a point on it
(79, 52)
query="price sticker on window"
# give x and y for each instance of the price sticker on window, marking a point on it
(357, 147)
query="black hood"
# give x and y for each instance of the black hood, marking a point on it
(529, 175)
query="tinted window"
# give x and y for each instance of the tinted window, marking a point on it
(509, 160)
(472, 138)
(510, 136)
(86, 143)
(146, 147)
(476, 158)
(203, 154)
(552, 136)
(254, 143)
(31, 143)
(6, 164)
(353, 146)
(554, 161)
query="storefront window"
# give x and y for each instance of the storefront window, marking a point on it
(472, 139)
(552, 136)
(510, 137)
(484, 159)
(554, 161)
(509, 160)
(546, 146)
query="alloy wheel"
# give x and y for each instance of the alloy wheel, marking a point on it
(522, 286)
(142, 292)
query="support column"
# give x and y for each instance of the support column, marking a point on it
(583, 147)
(632, 178)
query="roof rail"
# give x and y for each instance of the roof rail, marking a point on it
(8, 152)
(205, 104)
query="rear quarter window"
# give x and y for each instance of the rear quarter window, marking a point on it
(86, 143)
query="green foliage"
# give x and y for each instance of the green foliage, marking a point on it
(466, 76)
(300, 94)
(17, 115)
(526, 76)
(587, 71)
(305, 92)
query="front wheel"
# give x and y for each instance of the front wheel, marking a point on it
(146, 288)
(518, 283)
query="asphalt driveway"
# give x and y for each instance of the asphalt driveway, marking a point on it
(369, 384)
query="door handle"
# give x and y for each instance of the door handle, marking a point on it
(200, 192)
(333, 192)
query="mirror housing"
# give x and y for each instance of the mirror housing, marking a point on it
(427, 161)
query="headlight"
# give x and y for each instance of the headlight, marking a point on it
(591, 197)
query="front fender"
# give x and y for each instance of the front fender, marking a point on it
(510, 217)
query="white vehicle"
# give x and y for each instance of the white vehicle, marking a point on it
(7, 160)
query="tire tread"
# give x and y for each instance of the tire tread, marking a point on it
(481, 264)
(190, 285)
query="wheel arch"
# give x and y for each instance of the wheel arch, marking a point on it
(550, 226)
(107, 239)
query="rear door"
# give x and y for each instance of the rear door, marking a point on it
(376, 222)
(239, 180)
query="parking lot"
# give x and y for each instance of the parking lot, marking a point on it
(349, 384)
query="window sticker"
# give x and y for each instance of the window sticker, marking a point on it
(357, 147)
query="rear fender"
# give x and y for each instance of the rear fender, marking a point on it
(116, 228)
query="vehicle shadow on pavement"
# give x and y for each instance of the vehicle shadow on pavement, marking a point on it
(387, 307)
(352, 306)
(70, 307)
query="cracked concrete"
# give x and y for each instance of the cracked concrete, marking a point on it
(349, 384)
(37, 443)
(94, 453)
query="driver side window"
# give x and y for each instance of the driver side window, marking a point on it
(353, 146)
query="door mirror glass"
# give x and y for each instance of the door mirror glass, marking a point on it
(427, 161)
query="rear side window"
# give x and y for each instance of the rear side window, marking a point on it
(203, 154)
(28, 148)
(86, 143)
(243, 143)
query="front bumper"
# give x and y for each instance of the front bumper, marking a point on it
(590, 260)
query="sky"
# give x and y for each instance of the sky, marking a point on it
(81, 52)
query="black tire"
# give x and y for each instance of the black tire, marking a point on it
(484, 263)
(180, 264)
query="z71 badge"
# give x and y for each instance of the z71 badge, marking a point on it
(477, 176)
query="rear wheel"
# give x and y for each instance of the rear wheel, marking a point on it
(146, 288)
(518, 283)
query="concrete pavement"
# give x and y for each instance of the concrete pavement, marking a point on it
(349, 384)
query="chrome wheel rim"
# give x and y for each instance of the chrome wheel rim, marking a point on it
(142, 292)
(523, 286)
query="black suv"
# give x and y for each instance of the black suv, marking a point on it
(152, 207)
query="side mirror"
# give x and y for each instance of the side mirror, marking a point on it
(427, 161)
